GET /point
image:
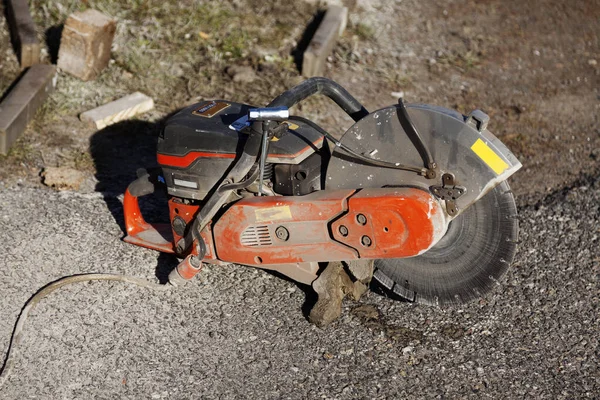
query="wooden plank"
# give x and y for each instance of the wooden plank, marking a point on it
(118, 110)
(321, 45)
(19, 107)
(85, 44)
(23, 32)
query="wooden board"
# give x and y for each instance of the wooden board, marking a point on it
(332, 26)
(23, 32)
(19, 107)
(118, 110)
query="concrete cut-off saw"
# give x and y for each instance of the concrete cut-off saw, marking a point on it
(417, 193)
(414, 196)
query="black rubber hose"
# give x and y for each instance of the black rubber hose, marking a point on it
(244, 184)
(219, 198)
(326, 87)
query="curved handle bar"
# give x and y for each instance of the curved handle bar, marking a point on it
(326, 87)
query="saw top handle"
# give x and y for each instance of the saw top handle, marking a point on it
(326, 87)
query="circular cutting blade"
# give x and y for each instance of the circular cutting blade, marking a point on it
(480, 242)
(466, 263)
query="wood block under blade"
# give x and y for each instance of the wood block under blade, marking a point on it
(332, 26)
(23, 32)
(19, 107)
(118, 110)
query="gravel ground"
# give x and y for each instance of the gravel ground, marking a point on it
(240, 332)
(534, 67)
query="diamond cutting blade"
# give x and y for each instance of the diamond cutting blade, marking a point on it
(466, 263)
(480, 242)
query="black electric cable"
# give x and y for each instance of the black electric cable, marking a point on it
(17, 334)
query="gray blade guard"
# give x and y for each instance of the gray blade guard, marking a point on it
(460, 145)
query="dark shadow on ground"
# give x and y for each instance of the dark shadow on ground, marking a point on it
(118, 151)
(309, 32)
(12, 86)
(14, 38)
(52, 36)
(310, 296)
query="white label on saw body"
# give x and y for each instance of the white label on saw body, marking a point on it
(187, 184)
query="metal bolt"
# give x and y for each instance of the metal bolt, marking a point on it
(179, 225)
(361, 219)
(282, 233)
(343, 230)
(366, 241)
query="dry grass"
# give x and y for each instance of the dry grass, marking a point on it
(176, 52)
(363, 31)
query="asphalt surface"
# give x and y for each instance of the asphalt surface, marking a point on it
(239, 332)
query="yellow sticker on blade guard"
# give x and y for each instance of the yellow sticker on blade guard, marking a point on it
(489, 157)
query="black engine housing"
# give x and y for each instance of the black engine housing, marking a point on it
(199, 144)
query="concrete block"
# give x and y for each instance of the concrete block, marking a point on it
(23, 32)
(63, 178)
(19, 107)
(332, 26)
(118, 110)
(85, 44)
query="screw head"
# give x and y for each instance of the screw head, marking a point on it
(282, 233)
(179, 225)
(343, 230)
(361, 219)
(365, 241)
